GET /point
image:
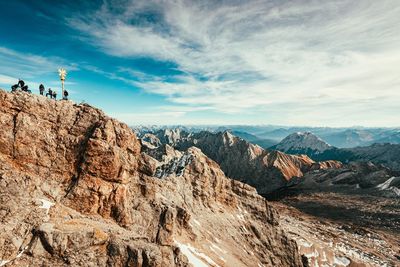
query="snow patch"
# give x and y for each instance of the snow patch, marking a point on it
(341, 261)
(313, 254)
(46, 204)
(4, 262)
(240, 217)
(386, 184)
(218, 248)
(196, 222)
(304, 243)
(324, 258)
(195, 257)
(176, 166)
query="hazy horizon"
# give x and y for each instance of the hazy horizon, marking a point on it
(287, 63)
(262, 125)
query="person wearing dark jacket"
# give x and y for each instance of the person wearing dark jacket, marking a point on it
(54, 94)
(14, 88)
(65, 97)
(21, 83)
(25, 89)
(49, 93)
(41, 89)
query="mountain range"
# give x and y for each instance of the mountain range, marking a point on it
(238, 158)
(317, 149)
(269, 135)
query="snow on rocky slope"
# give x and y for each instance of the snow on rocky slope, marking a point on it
(302, 143)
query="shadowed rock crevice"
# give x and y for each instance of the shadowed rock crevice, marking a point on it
(15, 130)
(83, 146)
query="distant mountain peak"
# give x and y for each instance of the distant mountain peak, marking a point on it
(299, 141)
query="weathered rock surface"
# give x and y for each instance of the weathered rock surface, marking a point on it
(266, 170)
(75, 189)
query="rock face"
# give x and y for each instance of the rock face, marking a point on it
(358, 177)
(75, 189)
(266, 170)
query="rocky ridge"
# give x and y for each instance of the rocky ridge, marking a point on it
(76, 189)
(266, 170)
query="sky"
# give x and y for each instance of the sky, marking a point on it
(310, 63)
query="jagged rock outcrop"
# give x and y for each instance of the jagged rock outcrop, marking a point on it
(362, 178)
(75, 189)
(266, 170)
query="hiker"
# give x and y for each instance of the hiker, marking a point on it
(14, 88)
(41, 89)
(65, 97)
(54, 94)
(21, 83)
(49, 93)
(17, 86)
(25, 89)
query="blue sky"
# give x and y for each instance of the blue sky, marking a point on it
(316, 63)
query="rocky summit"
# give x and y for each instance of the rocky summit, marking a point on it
(302, 143)
(77, 190)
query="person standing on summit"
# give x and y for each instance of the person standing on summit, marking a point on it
(49, 93)
(65, 97)
(21, 83)
(41, 89)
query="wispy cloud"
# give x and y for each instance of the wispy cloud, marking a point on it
(28, 65)
(259, 55)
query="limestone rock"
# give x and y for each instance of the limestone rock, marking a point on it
(77, 189)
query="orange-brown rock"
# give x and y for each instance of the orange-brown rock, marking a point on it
(324, 165)
(76, 190)
(289, 165)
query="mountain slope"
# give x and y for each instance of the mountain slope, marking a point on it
(393, 138)
(264, 143)
(350, 138)
(241, 160)
(302, 143)
(75, 189)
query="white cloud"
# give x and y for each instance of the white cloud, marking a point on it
(305, 58)
(27, 65)
(166, 117)
(5, 79)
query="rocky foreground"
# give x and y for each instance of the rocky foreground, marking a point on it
(75, 189)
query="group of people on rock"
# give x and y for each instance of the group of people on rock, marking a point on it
(50, 93)
(20, 85)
